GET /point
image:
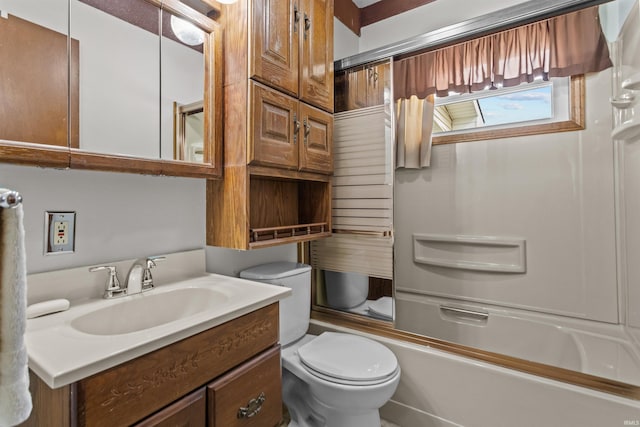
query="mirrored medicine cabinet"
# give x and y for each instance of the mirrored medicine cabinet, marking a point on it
(117, 85)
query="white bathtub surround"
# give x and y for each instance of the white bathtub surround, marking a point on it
(15, 400)
(442, 389)
(596, 348)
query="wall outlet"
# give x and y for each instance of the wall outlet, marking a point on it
(59, 232)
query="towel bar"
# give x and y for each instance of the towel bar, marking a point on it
(10, 199)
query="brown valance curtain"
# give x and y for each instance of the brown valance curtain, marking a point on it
(557, 47)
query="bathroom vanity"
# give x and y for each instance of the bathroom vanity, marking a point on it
(219, 377)
(201, 351)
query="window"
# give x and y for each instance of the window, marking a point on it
(530, 108)
(494, 108)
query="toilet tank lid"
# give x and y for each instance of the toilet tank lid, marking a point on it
(275, 270)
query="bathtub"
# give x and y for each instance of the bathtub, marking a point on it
(441, 389)
(595, 348)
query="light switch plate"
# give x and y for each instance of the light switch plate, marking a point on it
(59, 232)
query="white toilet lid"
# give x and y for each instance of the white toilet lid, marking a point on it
(348, 357)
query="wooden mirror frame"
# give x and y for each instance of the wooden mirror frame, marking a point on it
(65, 157)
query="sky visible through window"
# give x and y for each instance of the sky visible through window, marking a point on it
(514, 107)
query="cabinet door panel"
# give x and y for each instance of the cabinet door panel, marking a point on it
(274, 135)
(37, 84)
(377, 76)
(358, 88)
(131, 391)
(316, 64)
(248, 396)
(275, 42)
(316, 150)
(190, 411)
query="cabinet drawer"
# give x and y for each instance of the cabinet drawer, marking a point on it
(129, 392)
(190, 411)
(248, 396)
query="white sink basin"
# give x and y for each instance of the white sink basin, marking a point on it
(97, 334)
(148, 310)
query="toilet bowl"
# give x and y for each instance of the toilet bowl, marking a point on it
(345, 290)
(329, 380)
(342, 395)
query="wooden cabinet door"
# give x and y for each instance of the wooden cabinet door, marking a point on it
(275, 43)
(316, 56)
(248, 396)
(39, 85)
(358, 89)
(316, 149)
(375, 90)
(190, 411)
(274, 128)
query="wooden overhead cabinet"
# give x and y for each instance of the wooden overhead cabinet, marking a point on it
(361, 87)
(278, 125)
(292, 48)
(289, 134)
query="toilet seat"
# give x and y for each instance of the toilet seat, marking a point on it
(348, 359)
(382, 308)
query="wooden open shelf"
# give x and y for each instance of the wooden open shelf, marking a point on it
(261, 237)
(272, 210)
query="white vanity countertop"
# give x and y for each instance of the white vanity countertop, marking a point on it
(61, 354)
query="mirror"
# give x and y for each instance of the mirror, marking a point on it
(188, 132)
(35, 85)
(183, 90)
(130, 61)
(119, 75)
(526, 246)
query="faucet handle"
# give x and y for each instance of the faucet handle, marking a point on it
(151, 261)
(147, 278)
(113, 284)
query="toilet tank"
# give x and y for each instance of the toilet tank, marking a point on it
(294, 309)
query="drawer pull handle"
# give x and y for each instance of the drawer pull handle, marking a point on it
(253, 407)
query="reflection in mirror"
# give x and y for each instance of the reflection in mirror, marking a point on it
(183, 90)
(354, 267)
(33, 69)
(110, 96)
(188, 142)
(355, 293)
(525, 246)
(119, 76)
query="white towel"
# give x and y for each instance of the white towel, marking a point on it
(15, 400)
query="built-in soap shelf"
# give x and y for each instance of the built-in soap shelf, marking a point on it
(632, 83)
(476, 253)
(628, 131)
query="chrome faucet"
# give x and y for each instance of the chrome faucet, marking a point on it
(113, 288)
(139, 278)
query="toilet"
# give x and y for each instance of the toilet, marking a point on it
(345, 290)
(333, 379)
